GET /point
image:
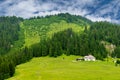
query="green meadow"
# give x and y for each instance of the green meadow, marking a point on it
(48, 68)
(33, 30)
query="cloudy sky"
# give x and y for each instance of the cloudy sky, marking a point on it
(96, 10)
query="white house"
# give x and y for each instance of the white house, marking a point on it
(89, 58)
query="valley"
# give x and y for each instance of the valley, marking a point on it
(47, 68)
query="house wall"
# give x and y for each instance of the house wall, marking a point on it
(87, 59)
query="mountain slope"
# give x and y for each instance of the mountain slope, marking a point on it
(15, 33)
(39, 28)
(56, 35)
(32, 32)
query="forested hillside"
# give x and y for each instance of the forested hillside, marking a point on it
(53, 36)
(9, 32)
(108, 32)
(69, 43)
(43, 27)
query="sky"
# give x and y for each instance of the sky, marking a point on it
(95, 10)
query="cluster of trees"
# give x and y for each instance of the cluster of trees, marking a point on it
(9, 27)
(69, 43)
(7, 68)
(8, 62)
(105, 31)
(116, 53)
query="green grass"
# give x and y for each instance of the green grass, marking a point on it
(47, 68)
(35, 30)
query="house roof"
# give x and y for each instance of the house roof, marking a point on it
(89, 57)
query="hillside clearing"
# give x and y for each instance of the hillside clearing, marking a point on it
(47, 68)
(34, 32)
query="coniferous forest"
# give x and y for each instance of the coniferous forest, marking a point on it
(53, 36)
(9, 27)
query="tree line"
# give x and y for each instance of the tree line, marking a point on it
(69, 43)
(77, 19)
(105, 31)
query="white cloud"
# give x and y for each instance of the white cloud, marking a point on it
(110, 10)
(27, 8)
(23, 9)
(94, 18)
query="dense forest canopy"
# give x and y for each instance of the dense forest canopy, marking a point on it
(9, 28)
(69, 43)
(53, 36)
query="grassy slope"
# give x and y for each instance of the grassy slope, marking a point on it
(34, 30)
(46, 68)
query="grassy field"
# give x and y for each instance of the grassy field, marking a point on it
(35, 31)
(46, 68)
